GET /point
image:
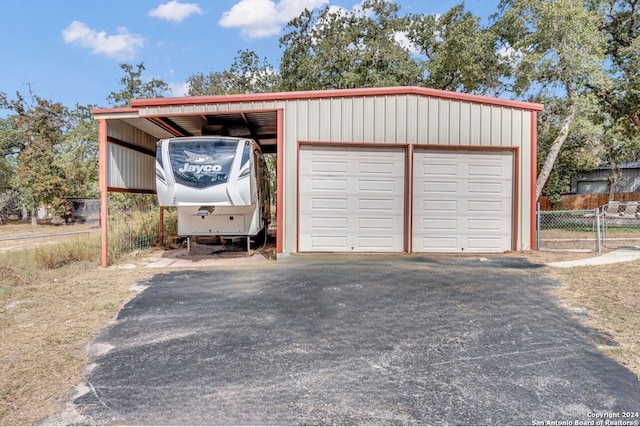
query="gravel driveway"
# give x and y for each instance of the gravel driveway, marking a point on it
(353, 340)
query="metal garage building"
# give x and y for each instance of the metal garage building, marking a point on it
(402, 169)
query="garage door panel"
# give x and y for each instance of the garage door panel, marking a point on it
(361, 210)
(483, 224)
(379, 204)
(375, 244)
(463, 204)
(333, 167)
(337, 223)
(324, 203)
(376, 168)
(480, 171)
(483, 244)
(328, 184)
(377, 186)
(325, 243)
(492, 189)
(443, 187)
(436, 225)
(439, 244)
(440, 170)
(436, 204)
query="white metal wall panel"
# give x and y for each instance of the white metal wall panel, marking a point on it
(351, 199)
(130, 169)
(462, 201)
(123, 131)
(127, 168)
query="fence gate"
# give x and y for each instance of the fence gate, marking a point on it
(571, 231)
(621, 225)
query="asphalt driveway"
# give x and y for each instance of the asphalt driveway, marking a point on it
(357, 340)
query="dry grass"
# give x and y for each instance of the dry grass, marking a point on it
(50, 309)
(48, 316)
(13, 229)
(610, 294)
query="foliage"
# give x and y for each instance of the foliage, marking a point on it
(560, 50)
(61, 254)
(40, 125)
(621, 96)
(78, 156)
(133, 86)
(247, 74)
(337, 49)
(460, 54)
(135, 230)
(580, 151)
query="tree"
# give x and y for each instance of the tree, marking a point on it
(559, 50)
(78, 154)
(10, 142)
(247, 74)
(41, 125)
(460, 54)
(621, 26)
(337, 49)
(581, 150)
(134, 87)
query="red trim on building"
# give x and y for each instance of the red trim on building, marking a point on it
(104, 192)
(534, 178)
(338, 93)
(279, 180)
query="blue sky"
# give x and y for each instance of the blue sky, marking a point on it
(70, 50)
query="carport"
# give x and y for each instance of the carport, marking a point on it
(401, 169)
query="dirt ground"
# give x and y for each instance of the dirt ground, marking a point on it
(47, 319)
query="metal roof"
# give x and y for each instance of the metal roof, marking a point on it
(188, 116)
(260, 125)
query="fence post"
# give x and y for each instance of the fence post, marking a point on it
(598, 242)
(538, 228)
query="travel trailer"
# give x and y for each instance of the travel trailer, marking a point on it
(218, 184)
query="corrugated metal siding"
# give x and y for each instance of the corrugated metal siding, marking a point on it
(130, 169)
(127, 168)
(403, 118)
(134, 136)
(628, 183)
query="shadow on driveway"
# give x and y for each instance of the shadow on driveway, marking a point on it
(352, 340)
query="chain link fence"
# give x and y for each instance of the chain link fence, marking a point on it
(576, 230)
(620, 231)
(138, 227)
(586, 230)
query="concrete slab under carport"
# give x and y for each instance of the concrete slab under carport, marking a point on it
(352, 340)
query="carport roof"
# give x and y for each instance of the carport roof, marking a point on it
(171, 117)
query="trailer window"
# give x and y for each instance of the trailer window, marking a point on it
(202, 163)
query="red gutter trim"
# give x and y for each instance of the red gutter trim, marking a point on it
(534, 177)
(336, 93)
(104, 192)
(279, 181)
(114, 110)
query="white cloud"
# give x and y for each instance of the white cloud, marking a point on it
(179, 89)
(402, 40)
(121, 46)
(264, 18)
(175, 11)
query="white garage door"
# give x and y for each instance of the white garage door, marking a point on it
(462, 201)
(351, 199)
